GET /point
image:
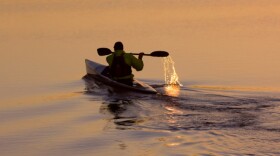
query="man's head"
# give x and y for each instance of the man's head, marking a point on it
(118, 46)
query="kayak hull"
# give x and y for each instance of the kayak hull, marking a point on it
(95, 69)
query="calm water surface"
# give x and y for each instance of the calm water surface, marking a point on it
(226, 54)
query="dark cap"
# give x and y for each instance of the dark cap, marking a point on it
(118, 46)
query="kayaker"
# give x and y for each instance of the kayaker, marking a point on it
(120, 64)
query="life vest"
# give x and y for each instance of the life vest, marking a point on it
(119, 69)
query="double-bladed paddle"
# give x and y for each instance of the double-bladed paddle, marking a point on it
(107, 51)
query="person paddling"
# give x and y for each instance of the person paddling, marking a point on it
(121, 63)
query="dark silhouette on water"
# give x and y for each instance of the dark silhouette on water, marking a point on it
(121, 64)
(121, 110)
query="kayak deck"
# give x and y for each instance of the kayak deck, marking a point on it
(95, 69)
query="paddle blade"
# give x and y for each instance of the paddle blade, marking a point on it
(103, 51)
(159, 54)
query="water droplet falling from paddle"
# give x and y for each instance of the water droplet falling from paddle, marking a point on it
(171, 77)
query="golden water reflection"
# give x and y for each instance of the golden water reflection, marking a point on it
(173, 110)
(172, 90)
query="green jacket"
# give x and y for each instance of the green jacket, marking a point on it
(129, 59)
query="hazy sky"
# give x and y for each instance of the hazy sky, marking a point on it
(231, 41)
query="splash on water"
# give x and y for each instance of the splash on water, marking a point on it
(172, 83)
(170, 75)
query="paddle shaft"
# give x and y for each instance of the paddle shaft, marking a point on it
(139, 54)
(155, 54)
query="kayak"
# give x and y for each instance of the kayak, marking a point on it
(95, 69)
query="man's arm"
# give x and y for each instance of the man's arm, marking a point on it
(137, 64)
(109, 59)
